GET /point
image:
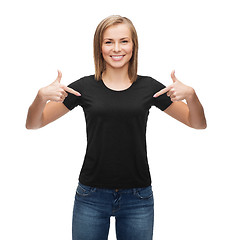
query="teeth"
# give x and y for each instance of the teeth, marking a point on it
(117, 57)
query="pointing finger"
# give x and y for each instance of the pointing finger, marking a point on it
(164, 90)
(70, 90)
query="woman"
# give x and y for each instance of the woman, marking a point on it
(115, 178)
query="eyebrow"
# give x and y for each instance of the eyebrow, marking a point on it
(113, 39)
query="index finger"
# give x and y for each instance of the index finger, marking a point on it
(161, 92)
(70, 90)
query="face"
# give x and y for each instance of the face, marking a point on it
(117, 46)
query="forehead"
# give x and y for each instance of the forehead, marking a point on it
(117, 31)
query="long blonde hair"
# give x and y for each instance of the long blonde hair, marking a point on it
(100, 65)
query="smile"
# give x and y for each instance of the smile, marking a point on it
(117, 57)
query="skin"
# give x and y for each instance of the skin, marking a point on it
(41, 113)
(192, 113)
(117, 50)
(117, 41)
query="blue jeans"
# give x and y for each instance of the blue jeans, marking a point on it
(132, 209)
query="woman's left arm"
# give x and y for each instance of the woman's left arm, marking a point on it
(192, 113)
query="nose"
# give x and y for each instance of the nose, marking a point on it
(116, 47)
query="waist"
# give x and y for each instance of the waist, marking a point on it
(113, 190)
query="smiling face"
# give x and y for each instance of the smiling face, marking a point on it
(117, 46)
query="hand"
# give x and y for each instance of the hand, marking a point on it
(176, 91)
(56, 91)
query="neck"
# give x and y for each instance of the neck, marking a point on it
(116, 75)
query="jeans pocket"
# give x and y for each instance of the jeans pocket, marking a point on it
(83, 190)
(144, 193)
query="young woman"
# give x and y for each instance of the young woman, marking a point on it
(115, 178)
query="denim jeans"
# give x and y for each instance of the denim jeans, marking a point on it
(132, 208)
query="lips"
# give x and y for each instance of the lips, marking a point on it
(117, 57)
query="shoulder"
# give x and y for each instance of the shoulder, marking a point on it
(81, 82)
(147, 79)
(150, 81)
(143, 78)
(85, 79)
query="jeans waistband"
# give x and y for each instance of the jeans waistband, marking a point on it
(114, 190)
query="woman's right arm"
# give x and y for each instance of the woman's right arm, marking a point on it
(41, 112)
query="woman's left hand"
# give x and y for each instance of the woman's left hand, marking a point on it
(176, 91)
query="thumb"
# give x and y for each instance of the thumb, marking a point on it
(59, 77)
(173, 76)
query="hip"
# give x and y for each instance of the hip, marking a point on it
(115, 202)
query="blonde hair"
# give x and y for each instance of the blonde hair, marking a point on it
(100, 65)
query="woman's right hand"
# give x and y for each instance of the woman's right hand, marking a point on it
(56, 91)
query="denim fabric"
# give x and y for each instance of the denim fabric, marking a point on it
(133, 210)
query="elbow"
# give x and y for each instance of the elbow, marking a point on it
(29, 126)
(33, 124)
(204, 126)
(200, 126)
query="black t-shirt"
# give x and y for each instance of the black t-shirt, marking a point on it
(116, 121)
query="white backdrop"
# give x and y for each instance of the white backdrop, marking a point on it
(195, 173)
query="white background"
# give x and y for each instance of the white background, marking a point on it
(195, 173)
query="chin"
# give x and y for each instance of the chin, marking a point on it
(117, 64)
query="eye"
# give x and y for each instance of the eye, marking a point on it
(125, 41)
(108, 42)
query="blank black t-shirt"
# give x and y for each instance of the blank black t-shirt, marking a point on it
(116, 121)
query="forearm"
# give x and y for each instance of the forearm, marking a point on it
(196, 112)
(35, 113)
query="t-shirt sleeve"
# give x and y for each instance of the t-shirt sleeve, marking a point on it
(72, 101)
(163, 101)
